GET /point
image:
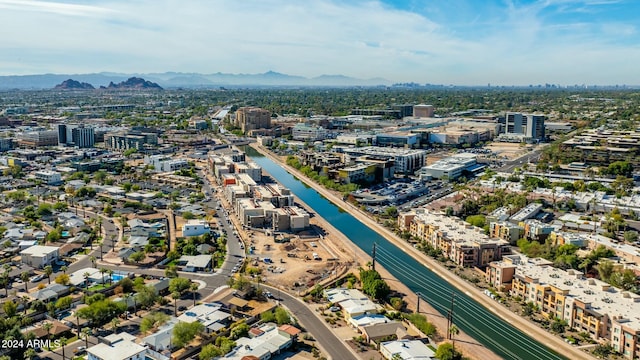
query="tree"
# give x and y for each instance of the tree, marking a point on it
(446, 351)
(64, 302)
(137, 257)
(630, 236)
(240, 330)
(179, 285)
(24, 276)
(102, 272)
(114, 324)
(282, 316)
(47, 327)
(48, 270)
(267, 316)
(184, 332)
(453, 331)
(64, 269)
(84, 335)
(30, 354)
(146, 296)
(605, 269)
(209, 352)
(153, 320)
(194, 291)
(10, 308)
(63, 343)
(558, 326)
(175, 296)
(603, 351)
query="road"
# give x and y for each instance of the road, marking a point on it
(335, 348)
(332, 345)
(530, 157)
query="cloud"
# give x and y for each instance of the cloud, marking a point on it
(484, 42)
(59, 8)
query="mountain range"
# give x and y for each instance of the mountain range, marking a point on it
(188, 80)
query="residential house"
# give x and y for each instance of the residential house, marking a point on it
(406, 350)
(39, 256)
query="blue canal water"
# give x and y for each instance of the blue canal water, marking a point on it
(469, 316)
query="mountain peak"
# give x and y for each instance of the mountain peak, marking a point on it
(135, 83)
(71, 84)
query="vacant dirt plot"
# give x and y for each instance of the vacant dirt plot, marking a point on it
(291, 261)
(508, 150)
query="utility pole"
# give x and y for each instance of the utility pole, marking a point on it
(373, 257)
(450, 315)
(419, 295)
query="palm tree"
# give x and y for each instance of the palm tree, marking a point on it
(194, 291)
(175, 295)
(4, 282)
(48, 270)
(453, 331)
(30, 354)
(114, 324)
(86, 282)
(93, 260)
(47, 327)
(110, 273)
(85, 334)
(25, 302)
(103, 271)
(25, 278)
(63, 343)
(64, 269)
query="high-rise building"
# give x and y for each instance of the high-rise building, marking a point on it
(527, 125)
(252, 118)
(39, 138)
(62, 134)
(83, 137)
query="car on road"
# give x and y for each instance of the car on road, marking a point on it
(36, 278)
(334, 309)
(269, 295)
(182, 308)
(80, 350)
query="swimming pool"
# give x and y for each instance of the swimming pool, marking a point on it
(117, 277)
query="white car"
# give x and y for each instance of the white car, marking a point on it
(36, 278)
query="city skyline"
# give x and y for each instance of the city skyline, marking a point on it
(460, 42)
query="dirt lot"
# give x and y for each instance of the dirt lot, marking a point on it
(508, 150)
(289, 261)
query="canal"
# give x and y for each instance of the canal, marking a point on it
(469, 316)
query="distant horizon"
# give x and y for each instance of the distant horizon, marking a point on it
(457, 42)
(387, 82)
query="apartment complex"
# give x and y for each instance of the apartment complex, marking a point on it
(302, 131)
(587, 305)
(605, 146)
(252, 118)
(459, 241)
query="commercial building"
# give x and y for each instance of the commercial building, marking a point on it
(357, 173)
(451, 168)
(597, 146)
(49, 177)
(398, 139)
(252, 118)
(422, 110)
(302, 132)
(6, 144)
(83, 137)
(39, 256)
(36, 139)
(406, 161)
(525, 126)
(462, 243)
(162, 163)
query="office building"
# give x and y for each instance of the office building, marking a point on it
(406, 161)
(83, 137)
(526, 126)
(302, 132)
(452, 167)
(422, 110)
(39, 138)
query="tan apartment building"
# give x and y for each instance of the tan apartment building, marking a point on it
(459, 241)
(252, 118)
(587, 305)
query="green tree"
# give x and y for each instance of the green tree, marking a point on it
(446, 351)
(48, 270)
(184, 332)
(282, 316)
(146, 296)
(241, 329)
(179, 285)
(64, 302)
(137, 257)
(605, 269)
(10, 308)
(209, 352)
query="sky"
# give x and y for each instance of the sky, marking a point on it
(460, 42)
